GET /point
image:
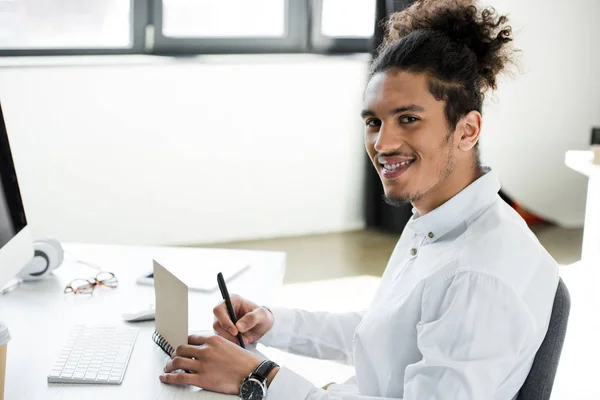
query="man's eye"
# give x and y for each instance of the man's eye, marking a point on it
(372, 123)
(408, 120)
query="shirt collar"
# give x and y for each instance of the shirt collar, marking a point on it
(461, 208)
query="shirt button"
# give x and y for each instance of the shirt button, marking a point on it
(431, 235)
(413, 252)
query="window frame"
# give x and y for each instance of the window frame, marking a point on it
(303, 28)
(139, 19)
(295, 41)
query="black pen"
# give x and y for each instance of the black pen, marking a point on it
(230, 309)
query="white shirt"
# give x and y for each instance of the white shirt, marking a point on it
(461, 311)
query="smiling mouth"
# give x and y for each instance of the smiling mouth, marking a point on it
(393, 171)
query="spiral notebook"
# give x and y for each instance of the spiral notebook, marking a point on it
(171, 313)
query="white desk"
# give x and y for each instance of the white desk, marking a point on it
(40, 316)
(581, 161)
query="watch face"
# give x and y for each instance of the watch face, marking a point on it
(252, 390)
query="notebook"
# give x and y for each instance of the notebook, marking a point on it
(171, 310)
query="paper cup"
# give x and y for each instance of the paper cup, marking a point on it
(4, 338)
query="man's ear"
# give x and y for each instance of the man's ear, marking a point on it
(470, 129)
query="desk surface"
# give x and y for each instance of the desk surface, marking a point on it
(582, 162)
(40, 316)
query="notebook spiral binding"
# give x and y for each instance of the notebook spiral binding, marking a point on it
(162, 343)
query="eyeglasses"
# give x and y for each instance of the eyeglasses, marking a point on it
(87, 286)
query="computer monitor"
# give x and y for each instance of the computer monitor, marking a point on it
(16, 246)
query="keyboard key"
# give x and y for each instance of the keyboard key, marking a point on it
(54, 374)
(123, 354)
(78, 375)
(90, 375)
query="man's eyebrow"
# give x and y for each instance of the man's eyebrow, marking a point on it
(367, 113)
(409, 107)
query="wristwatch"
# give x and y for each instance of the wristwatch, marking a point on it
(254, 387)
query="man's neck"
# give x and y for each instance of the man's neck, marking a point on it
(458, 179)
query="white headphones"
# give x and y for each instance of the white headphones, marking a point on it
(47, 257)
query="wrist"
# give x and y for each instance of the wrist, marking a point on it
(271, 375)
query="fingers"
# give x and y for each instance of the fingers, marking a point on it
(180, 378)
(223, 333)
(251, 319)
(183, 363)
(197, 340)
(188, 351)
(222, 316)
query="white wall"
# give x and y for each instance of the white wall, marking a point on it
(204, 150)
(547, 108)
(223, 148)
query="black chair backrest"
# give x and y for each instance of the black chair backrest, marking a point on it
(538, 385)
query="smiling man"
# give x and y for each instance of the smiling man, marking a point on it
(419, 157)
(465, 301)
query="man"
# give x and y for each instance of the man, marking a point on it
(465, 300)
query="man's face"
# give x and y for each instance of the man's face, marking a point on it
(406, 136)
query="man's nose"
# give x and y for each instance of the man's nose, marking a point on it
(387, 139)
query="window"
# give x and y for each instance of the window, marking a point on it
(219, 18)
(230, 26)
(62, 24)
(342, 26)
(173, 27)
(348, 18)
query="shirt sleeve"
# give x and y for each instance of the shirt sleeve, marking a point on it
(472, 332)
(322, 335)
(287, 385)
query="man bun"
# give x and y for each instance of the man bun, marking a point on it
(483, 32)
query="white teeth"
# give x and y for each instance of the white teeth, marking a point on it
(391, 167)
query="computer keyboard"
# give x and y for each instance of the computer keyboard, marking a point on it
(94, 354)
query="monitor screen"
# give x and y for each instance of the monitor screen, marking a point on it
(12, 215)
(7, 230)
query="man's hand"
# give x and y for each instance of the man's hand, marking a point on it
(253, 321)
(215, 364)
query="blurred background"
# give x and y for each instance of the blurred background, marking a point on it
(236, 124)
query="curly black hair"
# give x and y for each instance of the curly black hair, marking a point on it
(461, 48)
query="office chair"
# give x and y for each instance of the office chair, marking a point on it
(538, 385)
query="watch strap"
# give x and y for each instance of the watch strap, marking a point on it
(264, 369)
